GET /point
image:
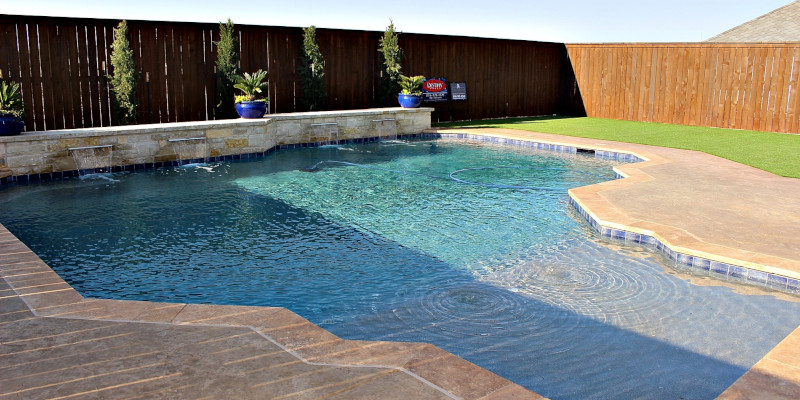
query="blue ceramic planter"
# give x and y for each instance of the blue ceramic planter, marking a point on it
(10, 125)
(251, 109)
(409, 100)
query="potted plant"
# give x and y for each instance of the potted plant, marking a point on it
(249, 105)
(11, 110)
(411, 95)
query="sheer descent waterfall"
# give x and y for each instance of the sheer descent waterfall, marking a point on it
(190, 150)
(92, 159)
(387, 128)
(328, 130)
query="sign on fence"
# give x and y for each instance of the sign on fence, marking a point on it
(458, 91)
(434, 90)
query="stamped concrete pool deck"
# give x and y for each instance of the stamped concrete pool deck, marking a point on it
(56, 344)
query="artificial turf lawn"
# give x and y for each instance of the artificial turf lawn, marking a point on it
(774, 152)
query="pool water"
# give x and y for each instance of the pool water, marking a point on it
(471, 247)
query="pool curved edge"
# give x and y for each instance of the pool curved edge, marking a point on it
(611, 220)
(777, 374)
(30, 290)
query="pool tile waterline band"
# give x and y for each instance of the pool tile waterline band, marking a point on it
(686, 262)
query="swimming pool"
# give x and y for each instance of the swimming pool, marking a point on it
(473, 248)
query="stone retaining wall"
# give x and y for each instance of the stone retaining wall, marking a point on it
(38, 154)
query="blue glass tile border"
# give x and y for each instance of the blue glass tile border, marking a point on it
(602, 154)
(694, 264)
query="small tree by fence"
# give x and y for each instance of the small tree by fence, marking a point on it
(227, 71)
(312, 72)
(123, 77)
(391, 60)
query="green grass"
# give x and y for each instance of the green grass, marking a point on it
(774, 152)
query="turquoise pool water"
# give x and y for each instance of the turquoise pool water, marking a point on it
(471, 247)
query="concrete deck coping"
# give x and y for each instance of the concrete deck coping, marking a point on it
(40, 294)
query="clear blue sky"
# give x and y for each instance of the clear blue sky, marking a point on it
(571, 21)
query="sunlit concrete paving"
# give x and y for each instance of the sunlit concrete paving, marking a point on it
(56, 344)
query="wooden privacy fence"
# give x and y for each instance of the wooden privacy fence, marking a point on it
(745, 85)
(63, 65)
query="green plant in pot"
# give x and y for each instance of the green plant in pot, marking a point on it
(411, 94)
(250, 104)
(11, 109)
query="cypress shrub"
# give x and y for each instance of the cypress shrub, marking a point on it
(391, 59)
(124, 77)
(311, 72)
(227, 71)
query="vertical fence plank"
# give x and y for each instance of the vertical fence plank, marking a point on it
(749, 87)
(620, 86)
(26, 87)
(792, 114)
(62, 84)
(152, 93)
(665, 68)
(92, 73)
(781, 89)
(166, 34)
(183, 81)
(83, 74)
(597, 81)
(678, 61)
(30, 73)
(676, 66)
(714, 88)
(105, 40)
(732, 102)
(702, 76)
(174, 74)
(644, 87)
(45, 74)
(693, 82)
(9, 54)
(635, 89)
(765, 92)
(774, 88)
(207, 73)
(191, 65)
(686, 85)
(70, 32)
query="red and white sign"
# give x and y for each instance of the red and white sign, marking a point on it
(434, 90)
(434, 85)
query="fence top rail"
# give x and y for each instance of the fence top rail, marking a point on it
(44, 19)
(688, 45)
